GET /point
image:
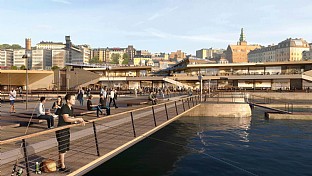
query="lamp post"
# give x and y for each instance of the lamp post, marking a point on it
(200, 77)
(26, 56)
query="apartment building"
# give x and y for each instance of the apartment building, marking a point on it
(6, 57)
(18, 59)
(291, 49)
(58, 58)
(209, 53)
(177, 56)
(287, 50)
(50, 45)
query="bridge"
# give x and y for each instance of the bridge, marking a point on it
(91, 145)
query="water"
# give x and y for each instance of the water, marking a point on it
(219, 146)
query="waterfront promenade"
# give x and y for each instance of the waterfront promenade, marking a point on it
(113, 132)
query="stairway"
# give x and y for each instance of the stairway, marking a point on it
(81, 77)
(177, 83)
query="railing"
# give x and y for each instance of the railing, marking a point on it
(222, 97)
(256, 99)
(97, 138)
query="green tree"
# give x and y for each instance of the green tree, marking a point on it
(125, 59)
(23, 67)
(115, 58)
(16, 46)
(94, 60)
(13, 67)
(54, 68)
(7, 46)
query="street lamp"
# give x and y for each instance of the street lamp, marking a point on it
(200, 77)
(26, 56)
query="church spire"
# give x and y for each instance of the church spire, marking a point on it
(242, 37)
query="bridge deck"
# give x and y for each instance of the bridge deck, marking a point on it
(112, 132)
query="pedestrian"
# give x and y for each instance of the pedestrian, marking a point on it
(63, 136)
(136, 92)
(20, 91)
(80, 96)
(57, 105)
(103, 102)
(12, 96)
(42, 114)
(112, 98)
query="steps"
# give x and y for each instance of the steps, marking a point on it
(177, 83)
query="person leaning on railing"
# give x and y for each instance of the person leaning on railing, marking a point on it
(63, 136)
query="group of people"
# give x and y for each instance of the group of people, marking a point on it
(65, 112)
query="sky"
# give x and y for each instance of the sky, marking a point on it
(155, 25)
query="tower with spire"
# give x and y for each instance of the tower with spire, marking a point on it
(242, 38)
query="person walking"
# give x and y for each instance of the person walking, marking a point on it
(63, 136)
(80, 96)
(42, 114)
(112, 98)
(12, 97)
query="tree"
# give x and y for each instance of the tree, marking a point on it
(125, 58)
(13, 67)
(54, 68)
(7, 46)
(94, 60)
(23, 67)
(115, 58)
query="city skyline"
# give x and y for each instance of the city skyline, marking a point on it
(157, 26)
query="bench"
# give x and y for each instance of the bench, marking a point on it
(21, 119)
(4, 125)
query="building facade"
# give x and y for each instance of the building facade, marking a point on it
(209, 53)
(177, 56)
(18, 59)
(291, 50)
(238, 53)
(287, 50)
(50, 45)
(6, 57)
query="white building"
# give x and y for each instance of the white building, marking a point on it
(18, 59)
(6, 57)
(50, 45)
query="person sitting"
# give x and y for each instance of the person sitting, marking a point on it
(152, 98)
(103, 104)
(91, 107)
(41, 114)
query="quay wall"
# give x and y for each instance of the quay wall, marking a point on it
(284, 95)
(221, 110)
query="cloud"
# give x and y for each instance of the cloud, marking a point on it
(62, 1)
(156, 15)
(196, 38)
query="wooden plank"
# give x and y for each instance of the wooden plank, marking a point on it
(4, 125)
(21, 119)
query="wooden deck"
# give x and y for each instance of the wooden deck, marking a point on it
(114, 133)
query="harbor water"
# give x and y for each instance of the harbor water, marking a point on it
(219, 146)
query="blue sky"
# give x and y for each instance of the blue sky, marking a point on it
(155, 25)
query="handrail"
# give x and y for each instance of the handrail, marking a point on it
(288, 106)
(74, 125)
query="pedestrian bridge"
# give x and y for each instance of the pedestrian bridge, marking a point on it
(93, 144)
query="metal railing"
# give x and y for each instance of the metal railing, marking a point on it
(97, 138)
(287, 106)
